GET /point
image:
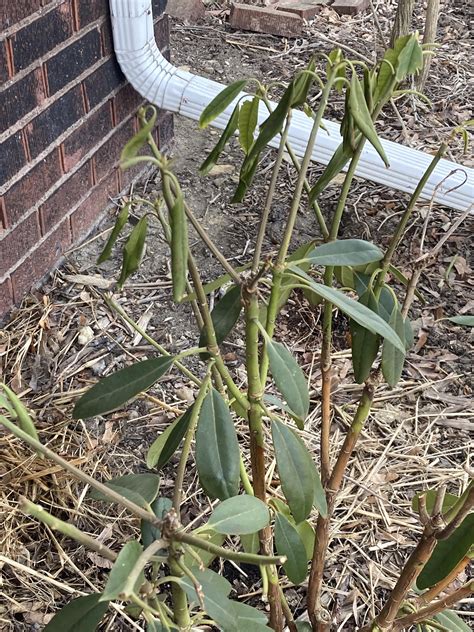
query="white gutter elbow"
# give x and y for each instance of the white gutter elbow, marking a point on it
(187, 94)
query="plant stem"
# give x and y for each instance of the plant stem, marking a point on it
(438, 588)
(269, 199)
(142, 561)
(66, 529)
(85, 478)
(180, 601)
(183, 460)
(116, 307)
(228, 554)
(434, 608)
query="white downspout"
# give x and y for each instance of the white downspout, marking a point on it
(179, 91)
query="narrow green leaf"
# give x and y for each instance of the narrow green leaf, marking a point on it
(118, 577)
(248, 618)
(245, 180)
(364, 343)
(302, 85)
(224, 316)
(398, 274)
(467, 320)
(289, 544)
(430, 495)
(141, 489)
(134, 145)
(164, 446)
(115, 390)
(319, 497)
(240, 515)
(179, 248)
(361, 314)
(214, 594)
(248, 119)
(217, 448)
(205, 532)
(451, 621)
(406, 57)
(410, 59)
(160, 507)
(250, 542)
(220, 102)
(340, 158)
(273, 400)
(447, 554)
(336, 56)
(307, 535)
(289, 378)
(392, 358)
(294, 468)
(22, 415)
(226, 135)
(133, 250)
(345, 252)
(117, 229)
(362, 117)
(386, 304)
(80, 615)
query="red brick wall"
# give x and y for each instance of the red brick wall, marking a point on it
(65, 113)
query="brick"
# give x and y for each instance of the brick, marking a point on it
(42, 35)
(84, 218)
(40, 261)
(187, 10)
(6, 297)
(350, 7)
(108, 156)
(3, 219)
(4, 74)
(20, 98)
(128, 100)
(91, 132)
(26, 192)
(265, 20)
(162, 32)
(102, 82)
(73, 60)
(55, 120)
(12, 157)
(107, 38)
(306, 10)
(15, 244)
(69, 193)
(15, 10)
(87, 11)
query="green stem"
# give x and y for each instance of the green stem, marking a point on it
(178, 485)
(180, 601)
(66, 529)
(142, 561)
(244, 477)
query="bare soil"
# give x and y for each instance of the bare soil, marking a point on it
(419, 433)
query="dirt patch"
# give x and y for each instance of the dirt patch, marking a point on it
(419, 433)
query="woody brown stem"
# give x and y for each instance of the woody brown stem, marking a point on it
(431, 594)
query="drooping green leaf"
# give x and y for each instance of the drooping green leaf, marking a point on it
(239, 515)
(386, 304)
(80, 615)
(179, 248)
(398, 274)
(141, 489)
(224, 316)
(289, 544)
(250, 542)
(294, 468)
(117, 229)
(340, 158)
(319, 495)
(289, 378)
(364, 343)
(220, 102)
(451, 621)
(336, 58)
(345, 252)
(22, 415)
(248, 119)
(447, 554)
(160, 507)
(307, 535)
(248, 618)
(245, 180)
(217, 448)
(302, 85)
(404, 58)
(226, 135)
(392, 358)
(362, 117)
(361, 314)
(214, 594)
(118, 577)
(410, 59)
(205, 532)
(164, 446)
(467, 320)
(430, 495)
(115, 390)
(134, 145)
(272, 400)
(133, 250)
